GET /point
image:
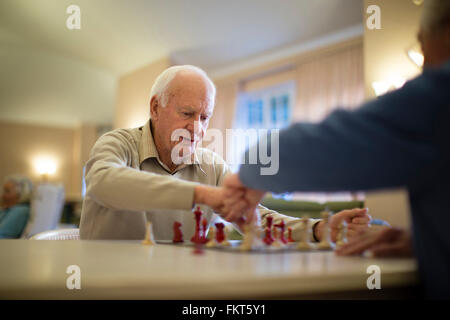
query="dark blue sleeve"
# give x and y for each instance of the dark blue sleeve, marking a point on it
(385, 143)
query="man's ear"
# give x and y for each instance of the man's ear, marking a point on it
(154, 108)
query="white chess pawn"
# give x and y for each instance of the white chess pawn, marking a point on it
(212, 241)
(148, 235)
(325, 243)
(305, 235)
(249, 237)
(225, 241)
(342, 235)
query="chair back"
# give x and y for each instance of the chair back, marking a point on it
(46, 209)
(61, 234)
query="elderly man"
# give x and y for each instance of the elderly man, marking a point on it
(15, 209)
(401, 139)
(155, 172)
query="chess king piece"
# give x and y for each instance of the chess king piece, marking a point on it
(212, 238)
(305, 235)
(177, 233)
(148, 235)
(249, 237)
(196, 238)
(326, 243)
(342, 235)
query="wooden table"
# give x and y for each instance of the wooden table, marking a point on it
(129, 270)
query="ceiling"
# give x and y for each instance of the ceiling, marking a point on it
(47, 67)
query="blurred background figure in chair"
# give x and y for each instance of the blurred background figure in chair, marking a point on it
(15, 207)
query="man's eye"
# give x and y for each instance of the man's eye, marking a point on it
(186, 114)
(204, 118)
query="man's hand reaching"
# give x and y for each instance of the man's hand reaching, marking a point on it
(240, 202)
(388, 242)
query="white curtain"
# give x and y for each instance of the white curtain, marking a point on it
(330, 82)
(323, 85)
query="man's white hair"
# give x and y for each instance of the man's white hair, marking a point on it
(435, 15)
(159, 88)
(24, 187)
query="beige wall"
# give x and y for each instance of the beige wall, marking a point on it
(133, 94)
(385, 57)
(21, 144)
(385, 49)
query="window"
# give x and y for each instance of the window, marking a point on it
(269, 108)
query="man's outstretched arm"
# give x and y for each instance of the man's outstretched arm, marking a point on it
(388, 142)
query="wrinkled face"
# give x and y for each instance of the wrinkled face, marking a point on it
(10, 196)
(182, 123)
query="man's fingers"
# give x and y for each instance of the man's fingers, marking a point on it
(361, 220)
(357, 227)
(358, 245)
(230, 201)
(237, 210)
(352, 233)
(388, 250)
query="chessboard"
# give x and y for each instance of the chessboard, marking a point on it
(235, 247)
(255, 240)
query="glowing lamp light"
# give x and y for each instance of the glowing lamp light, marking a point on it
(381, 87)
(45, 166)
(416, 57)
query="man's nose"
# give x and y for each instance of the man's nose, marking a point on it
(195, 126)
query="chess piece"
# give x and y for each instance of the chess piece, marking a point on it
(212, 238)
(305, 235)
(290, 239)
(276, 242)
(196, 238)
(342, 234)
(177, 233)
(268, 239)
(220, 234)
(325, 243)
(225, 241)
(148, 235)
(249, 237)
(282, 226)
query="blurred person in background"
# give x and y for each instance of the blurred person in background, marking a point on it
(15, 206)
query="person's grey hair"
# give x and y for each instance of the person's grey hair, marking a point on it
(24, 187)
(435, 15)
(162, 82)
